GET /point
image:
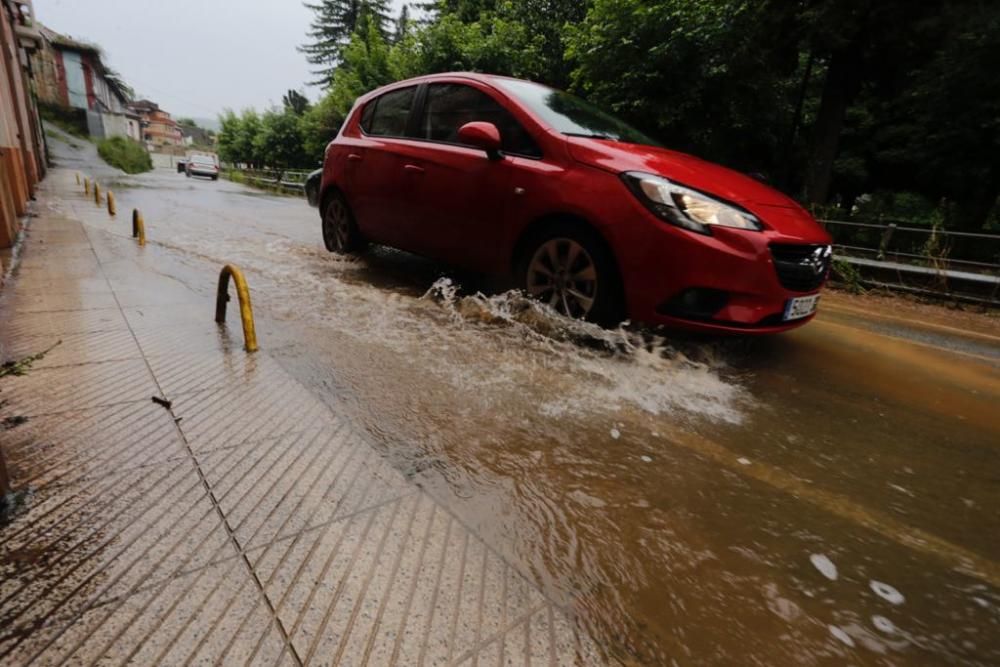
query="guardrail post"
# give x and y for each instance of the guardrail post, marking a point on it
(138, 227)
(97, 193)
(111, 203)
(78, 178)
(86, 186)
(886, 237)
(246, 310)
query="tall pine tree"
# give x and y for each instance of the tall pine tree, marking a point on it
(331, 29)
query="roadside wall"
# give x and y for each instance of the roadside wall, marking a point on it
(95, 124)
(165, 161)
(22, 161)
(115, 124)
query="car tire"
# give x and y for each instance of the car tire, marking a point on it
(188, 174)
(570, 267)
(340, 231)
(215, 178)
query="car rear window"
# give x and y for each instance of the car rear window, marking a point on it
(391, 112)
(201, 159)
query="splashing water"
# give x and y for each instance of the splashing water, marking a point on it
(623, 368)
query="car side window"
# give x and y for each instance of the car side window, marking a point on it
(451, 105)
(391, 113)
(366, 116)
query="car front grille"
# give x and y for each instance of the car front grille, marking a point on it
(801, 268)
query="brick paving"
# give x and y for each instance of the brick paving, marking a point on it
(246, 524)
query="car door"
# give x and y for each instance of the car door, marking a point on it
(457, 209)
(375, 182)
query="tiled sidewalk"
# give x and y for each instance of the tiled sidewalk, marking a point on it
(245, 524)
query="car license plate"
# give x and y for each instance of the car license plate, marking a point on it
(802, 306)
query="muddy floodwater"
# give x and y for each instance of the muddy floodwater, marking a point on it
(827, 496)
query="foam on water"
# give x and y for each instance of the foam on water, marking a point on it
(623, 368)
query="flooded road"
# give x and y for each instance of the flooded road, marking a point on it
(824, 496)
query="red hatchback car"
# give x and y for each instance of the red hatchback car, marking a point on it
(510, 177)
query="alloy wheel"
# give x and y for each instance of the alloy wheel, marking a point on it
(564, 275)
(337, 225)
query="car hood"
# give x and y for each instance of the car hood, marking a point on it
(699, 174)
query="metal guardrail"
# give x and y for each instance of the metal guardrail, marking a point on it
(289, 180)
(874, 249)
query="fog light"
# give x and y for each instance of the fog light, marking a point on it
(696, 303)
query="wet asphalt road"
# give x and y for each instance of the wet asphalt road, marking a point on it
(824, 496)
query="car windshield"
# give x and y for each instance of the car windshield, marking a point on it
(572, 116)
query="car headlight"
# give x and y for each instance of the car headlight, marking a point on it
(685, 207)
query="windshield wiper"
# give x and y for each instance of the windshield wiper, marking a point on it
(594, 135)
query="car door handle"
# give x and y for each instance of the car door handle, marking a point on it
(413, 169)
(354, 157)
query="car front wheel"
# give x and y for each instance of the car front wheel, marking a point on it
(340, 232)
(571, 269)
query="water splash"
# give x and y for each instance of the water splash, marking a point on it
(622, 368)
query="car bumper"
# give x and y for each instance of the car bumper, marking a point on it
(726, 283)
(203, 172)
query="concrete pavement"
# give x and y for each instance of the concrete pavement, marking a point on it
(246, 523)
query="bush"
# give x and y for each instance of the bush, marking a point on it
(128, 155)
(69, 120)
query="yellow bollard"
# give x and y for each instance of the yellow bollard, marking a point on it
(111, 203)
(97, 193)
(138, 227)
(86, 186)
(78, 178)
(246, 310)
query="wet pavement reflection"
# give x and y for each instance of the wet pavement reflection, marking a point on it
(829, 495)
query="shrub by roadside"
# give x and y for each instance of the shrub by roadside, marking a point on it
(70, 121)
(128, 155)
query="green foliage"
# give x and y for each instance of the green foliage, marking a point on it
(69, 120)
(238, 141)
(848, 276)
(857, 107)
(332, 28)
(278, 142)
(126, 154)
(318, 126)
(22, 366)
(296, 102)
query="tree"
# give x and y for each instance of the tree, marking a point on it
(278, 141)
(296, 102)
(402, 25)
(830, 98)
(365, 66)
(331, 29)
(229, 129)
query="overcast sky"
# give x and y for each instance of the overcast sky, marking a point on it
(195, 57)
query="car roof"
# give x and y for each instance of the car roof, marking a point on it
(489, 79)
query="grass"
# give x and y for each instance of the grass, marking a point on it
(128, 155)
(849, 276)
(70, 121)
(22, 366)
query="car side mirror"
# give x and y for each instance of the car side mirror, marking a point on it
(481, 135)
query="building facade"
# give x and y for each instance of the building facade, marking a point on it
(160, 132)
(22, 147)
(71, 75)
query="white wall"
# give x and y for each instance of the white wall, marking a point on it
(115, 125)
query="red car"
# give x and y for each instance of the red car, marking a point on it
(510, 177)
